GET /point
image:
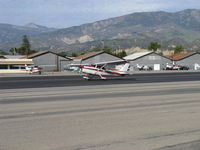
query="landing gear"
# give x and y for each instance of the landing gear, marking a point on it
(102, 77)
(87, 77)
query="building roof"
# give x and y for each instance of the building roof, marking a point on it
(36, 54)
(110, 62)
(181, 56)
(13, 56)
(136, 55)
(16, 61)
(79, 59)
(88, 55)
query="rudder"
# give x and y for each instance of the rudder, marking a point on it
(125, 67)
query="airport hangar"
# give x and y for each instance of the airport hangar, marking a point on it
(151, 59)
(49, 61)
(98, 58)
(189, 59)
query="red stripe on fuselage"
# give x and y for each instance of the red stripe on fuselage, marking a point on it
(95, 69)
(106, 71)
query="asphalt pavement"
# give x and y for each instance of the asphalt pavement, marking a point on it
(35, 81)
(150, 111)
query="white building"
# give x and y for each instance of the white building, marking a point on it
(13, 65)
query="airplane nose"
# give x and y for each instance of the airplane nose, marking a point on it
(81, 66)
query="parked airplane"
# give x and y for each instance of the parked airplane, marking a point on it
(143, 67)
(91, 71)
(33, 69)
(176, 67)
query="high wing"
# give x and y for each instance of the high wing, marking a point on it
(90, 71)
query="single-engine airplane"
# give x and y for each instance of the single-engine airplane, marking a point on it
(90, 71)
(33, 69)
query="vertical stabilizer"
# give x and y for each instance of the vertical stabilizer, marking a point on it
(125, 67)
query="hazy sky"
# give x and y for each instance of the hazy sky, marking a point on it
(66, 13)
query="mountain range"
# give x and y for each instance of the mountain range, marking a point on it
(132, 30)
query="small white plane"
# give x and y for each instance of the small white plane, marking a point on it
(90, 71)
(33, 69)
(144, 67)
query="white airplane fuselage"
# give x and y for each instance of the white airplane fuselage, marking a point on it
(90, 70)
(93, 70)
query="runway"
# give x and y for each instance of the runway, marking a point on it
(77, 80)
(140, 112)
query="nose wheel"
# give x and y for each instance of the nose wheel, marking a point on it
(87, 77)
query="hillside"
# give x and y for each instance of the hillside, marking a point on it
(11, 35)
(137, 29)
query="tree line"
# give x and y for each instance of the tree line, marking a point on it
(154, 46)
(25, 49)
